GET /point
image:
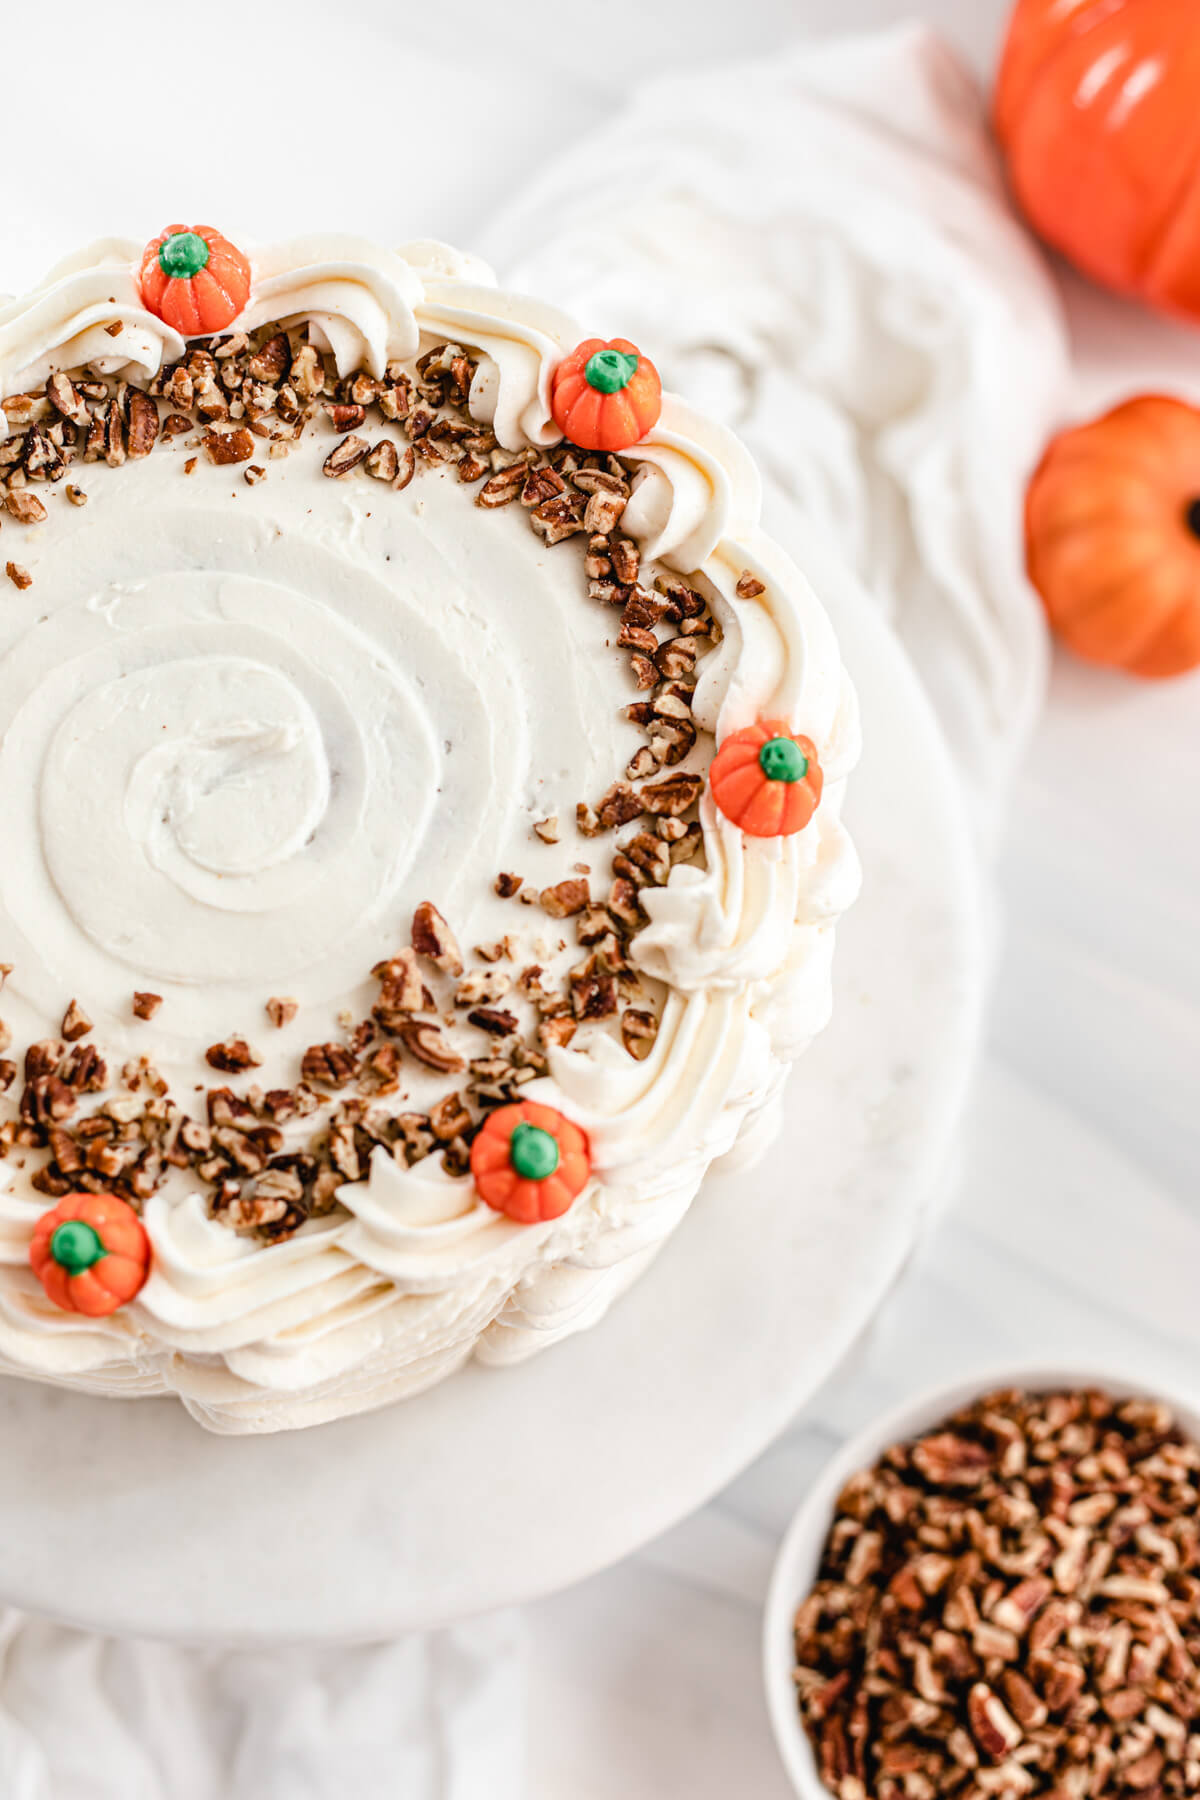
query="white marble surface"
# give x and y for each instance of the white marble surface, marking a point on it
(1073, 1223)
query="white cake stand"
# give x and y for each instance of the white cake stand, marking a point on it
(503, 1484)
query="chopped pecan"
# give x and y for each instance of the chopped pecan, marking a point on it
(500, 1023)
(232, 1057)
(272, 361)
(449, 1118)
(427, 1043)
(43, 460)
(346, 456)
(383, 460)
(328, 1065)
(556, 1032)
(565, 898)
(672, 795)
(66, 399)
(482, 987)
(25, 507)
(76, 1023)
(345, 416)
(224, 447)
(638, 1032)
(141, 418)
(403, 990)
(433, 938)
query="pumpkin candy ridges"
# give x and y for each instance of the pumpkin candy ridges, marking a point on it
(205, 301)
(97, 1269)
(605, 396)
(499, 1168)
(750, 797)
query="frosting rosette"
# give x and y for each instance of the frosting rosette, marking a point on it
(355, 733)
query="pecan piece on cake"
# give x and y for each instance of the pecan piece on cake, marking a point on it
(564, 898)
(433, 938)
(347, 455)
(141, 422)
(225, 447)
(403, 990)
(328, 1065)
(232, 1057)
(76, 1023)
(672, 795)
(638, 1032)
(427, 1043)
(25, 507)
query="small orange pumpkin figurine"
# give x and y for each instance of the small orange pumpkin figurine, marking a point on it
(606, 396)
(90, 1253)
(765, 780)
(194, 279)
(1112, 532)
(530, 1162)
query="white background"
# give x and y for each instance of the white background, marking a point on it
(1072, 1222)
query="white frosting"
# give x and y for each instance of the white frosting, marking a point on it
(245, 731)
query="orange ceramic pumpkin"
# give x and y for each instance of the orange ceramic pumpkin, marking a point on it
(1098, 110)
(766, 780)
(530, 1162)
(1112, 525)
(90, 1253)
(194, 279)
(606, 396)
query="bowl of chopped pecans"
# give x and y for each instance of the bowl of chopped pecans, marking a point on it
(994, 1591)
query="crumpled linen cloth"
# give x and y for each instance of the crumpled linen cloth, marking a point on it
(817, 249)
(434, 1717)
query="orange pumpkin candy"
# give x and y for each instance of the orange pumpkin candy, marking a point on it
(194, 279)
(1097, 109)
(530, 1162)
(90, 1253)
(1112, 531)
(766, 780)
(606, 396)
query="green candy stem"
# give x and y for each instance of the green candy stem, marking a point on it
(183, 255)
(610, 370)
(781, 759)
(75, 1246)
(532, 1152)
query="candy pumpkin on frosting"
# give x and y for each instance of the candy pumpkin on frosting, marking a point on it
(530, 1162)
(765, 780)
(194, 279)
(90, 1253)
(606, 396)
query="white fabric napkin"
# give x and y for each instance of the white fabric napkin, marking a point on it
(434, 1717)
(818, 249)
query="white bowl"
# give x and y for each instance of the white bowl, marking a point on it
(800, 1553)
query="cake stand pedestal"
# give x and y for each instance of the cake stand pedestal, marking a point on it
(125, 1516)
